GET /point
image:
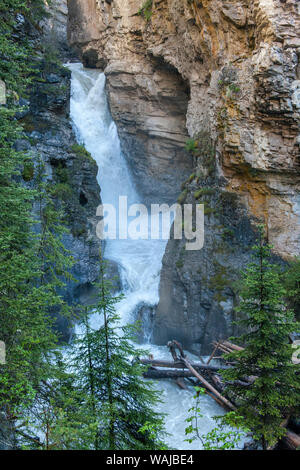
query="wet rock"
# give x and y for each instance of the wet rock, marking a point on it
(229, 69)
(237, 63)
(7, 436)
(144, 315)
(69, 172)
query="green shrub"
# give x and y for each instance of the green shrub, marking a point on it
(227, 233)
(179, 264)
(209, 210)
(191, 145)
(62, 174)
(192, 177)
(146, 10)
(61, 190)
(182, 197)
(204, 192)
(28, 170)
(81, 151)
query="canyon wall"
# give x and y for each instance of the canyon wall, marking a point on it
(70, 172)
(227, 74)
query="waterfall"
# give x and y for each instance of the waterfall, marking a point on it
(139, 260)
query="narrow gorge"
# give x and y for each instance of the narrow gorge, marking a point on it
(161, 103)
(227, 75)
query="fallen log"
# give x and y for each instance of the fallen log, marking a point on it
(218, 382)
(218, 397)
(213, 353)
(173, 345)
(232, 346)
(226, 347)
(291, 440)
(180, 365)
(167, 374)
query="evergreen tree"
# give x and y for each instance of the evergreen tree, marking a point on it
(30, 262)
(109, 373)
(291, 281)
(59, 418)
(267, 356)
(219, 438)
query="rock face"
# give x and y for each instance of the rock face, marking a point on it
(148, 97)
(71, 174)
(7, 436)
(54, 29)
(230, 71)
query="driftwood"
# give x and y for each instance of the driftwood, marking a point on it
(181, 362)
(181, 368)
(153, 373)
(180, 365)
(225, 347)
(173, 345)
(232, 346)
(207, 385)
(291, 440)
(213, 353)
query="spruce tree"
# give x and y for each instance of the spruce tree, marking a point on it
(109, 373)
(267, 353)
(29, 259)
(59, 418)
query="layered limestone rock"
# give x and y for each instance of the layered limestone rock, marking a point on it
(148, 97)
(225, 69)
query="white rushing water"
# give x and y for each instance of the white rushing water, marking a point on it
(139, 260)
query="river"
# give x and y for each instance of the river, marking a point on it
(139, 261)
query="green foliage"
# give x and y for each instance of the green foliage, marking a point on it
(33, 265)
(202, 147)
(58, 418)
(56, 260)
(291, 281)
(31, 253)
(179, 264)
(82, 152)
(233, 88)
(61, 191)
(267, 354)
(182, 197)
(146, 10)
(209, 210)
(16, 55)
(220, 438)
(28, 170)
(109, 374)
(227, 234)
(204, 192)
(62, 174)
(191, 145)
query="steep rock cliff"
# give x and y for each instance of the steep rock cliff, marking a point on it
(70, 172)
(229, 71)
(148, 97)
